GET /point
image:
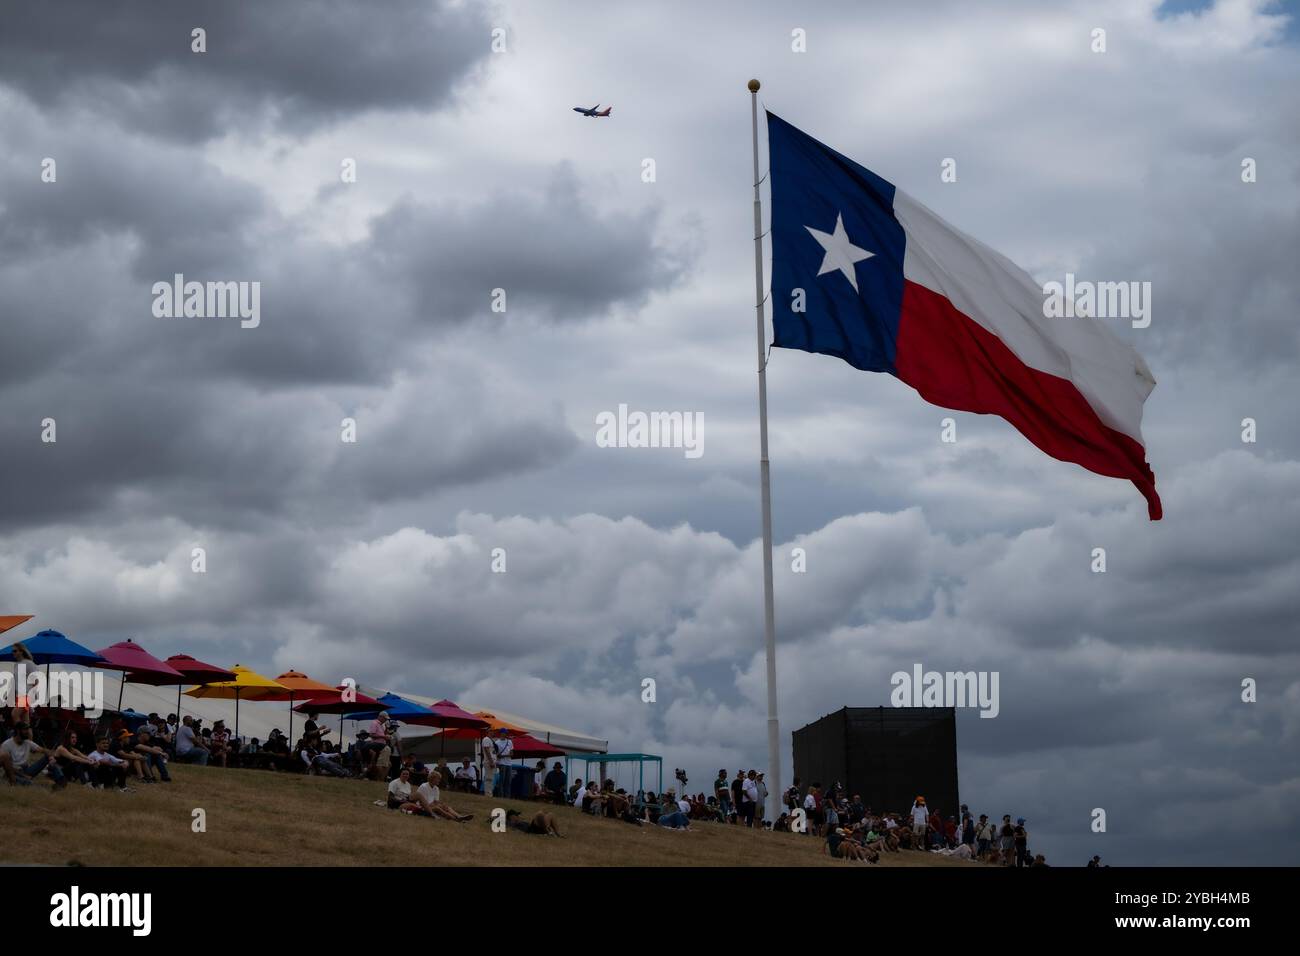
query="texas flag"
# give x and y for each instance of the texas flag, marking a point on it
(863, 271)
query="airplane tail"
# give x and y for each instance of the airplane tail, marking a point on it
(608, 110)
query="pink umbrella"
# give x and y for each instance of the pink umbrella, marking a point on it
(137, 664)
(196, 672)
(446, 714)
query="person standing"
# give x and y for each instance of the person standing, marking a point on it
(920, 824)
(1022, 844)
(762, 798)
(722, 792)
(749, 798)
(488, 753)
(505, 750)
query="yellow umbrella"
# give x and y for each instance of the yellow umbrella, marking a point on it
(247, 683)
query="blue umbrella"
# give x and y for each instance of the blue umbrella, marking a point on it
(51, 647)
(398, 708)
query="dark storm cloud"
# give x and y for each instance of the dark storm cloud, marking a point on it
(295, 65)
(554, 256)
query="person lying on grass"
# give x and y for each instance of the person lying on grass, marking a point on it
(429, 800)
(542, 823)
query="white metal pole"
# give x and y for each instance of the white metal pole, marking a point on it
(769, 613)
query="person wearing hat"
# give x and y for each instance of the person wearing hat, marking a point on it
(984, 834)
(555, 783)
(920, 824)
(1022, 844)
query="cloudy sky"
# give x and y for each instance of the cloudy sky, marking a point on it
(476, 428)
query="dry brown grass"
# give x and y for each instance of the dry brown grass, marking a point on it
(259, 818)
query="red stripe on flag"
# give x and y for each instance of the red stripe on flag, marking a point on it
(954, 362)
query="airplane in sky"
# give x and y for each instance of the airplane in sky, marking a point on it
(593, 111)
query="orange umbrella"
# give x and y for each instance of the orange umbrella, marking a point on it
(9, 621)
(493, 725)
(296, 685)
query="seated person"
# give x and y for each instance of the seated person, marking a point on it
(670, 815)
(542, 823)
(23, 760)
(318, 762)
(74, 764)
(373, 740)
(399, 794)
(190, 747)
(446, 773)
(429, 798)
(121, 745)
(219, 749)
(617, 803)
(553, 784)
(419, 773)
(110, 771)
(467, 776)
(155, 757)
(841, 847)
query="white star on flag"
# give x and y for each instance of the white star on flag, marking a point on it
(841, 254)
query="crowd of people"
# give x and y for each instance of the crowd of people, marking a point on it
(852, 830)
(117, 753)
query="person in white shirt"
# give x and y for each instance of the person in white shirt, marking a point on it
(109, 771)
(429, 800)
(189, 745)
(749, 798)
(467, 776)
(920, 825)
(489, 755)
(505, 750)
(399, 793)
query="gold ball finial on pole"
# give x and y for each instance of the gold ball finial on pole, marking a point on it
(753, 86)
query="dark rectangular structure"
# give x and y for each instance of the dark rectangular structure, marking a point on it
(887, 754)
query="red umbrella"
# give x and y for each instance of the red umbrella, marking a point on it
(138, 665)
(447, 715)
(196, 672)
(526, 745)
(333, 703)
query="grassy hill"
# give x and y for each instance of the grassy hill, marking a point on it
(260, 818)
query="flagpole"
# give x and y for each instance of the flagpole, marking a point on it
(769, 612)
